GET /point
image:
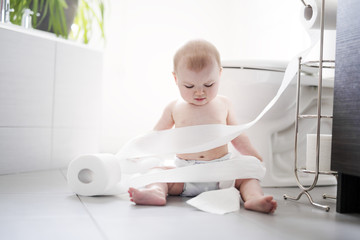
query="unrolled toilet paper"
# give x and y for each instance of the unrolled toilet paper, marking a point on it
(92, 175)
(101, 174)
(324, 154)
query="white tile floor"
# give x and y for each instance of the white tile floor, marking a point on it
(39, 205)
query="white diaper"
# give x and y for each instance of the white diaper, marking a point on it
(195, 188)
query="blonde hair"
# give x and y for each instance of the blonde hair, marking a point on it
(196, 54)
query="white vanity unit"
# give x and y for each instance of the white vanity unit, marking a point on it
(50, 100)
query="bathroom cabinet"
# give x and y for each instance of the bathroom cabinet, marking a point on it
(346, 115)
(50, 98)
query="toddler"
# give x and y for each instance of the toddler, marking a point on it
(197, 72)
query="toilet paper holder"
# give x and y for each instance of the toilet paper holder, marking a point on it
(320, 64)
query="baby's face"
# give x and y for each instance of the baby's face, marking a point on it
(198, 87)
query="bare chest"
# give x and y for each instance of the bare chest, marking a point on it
(186, 114)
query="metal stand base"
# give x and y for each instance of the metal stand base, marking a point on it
(325, 196)
(325, 207)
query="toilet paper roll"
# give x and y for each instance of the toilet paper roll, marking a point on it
(310, 15)
(324, 154)
(95, 174)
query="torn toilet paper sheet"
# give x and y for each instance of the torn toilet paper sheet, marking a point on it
(218, 201)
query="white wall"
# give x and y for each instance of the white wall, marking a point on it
(143, 35)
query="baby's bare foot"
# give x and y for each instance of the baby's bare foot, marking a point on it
(147, 196)
(264, 204)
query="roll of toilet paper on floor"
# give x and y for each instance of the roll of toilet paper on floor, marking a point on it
(324, 154)
(310, 15)
(95, 174)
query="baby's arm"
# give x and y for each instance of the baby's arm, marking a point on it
(166, 121)
(242, 142)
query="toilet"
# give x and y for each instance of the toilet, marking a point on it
(250, 85)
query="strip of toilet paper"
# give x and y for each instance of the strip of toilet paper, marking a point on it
(100, 174)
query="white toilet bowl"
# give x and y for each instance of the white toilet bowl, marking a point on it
(251, 85)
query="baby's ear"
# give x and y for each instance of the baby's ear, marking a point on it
(221, 70)
(174, 74)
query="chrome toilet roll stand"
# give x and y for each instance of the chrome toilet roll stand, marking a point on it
(320, 65)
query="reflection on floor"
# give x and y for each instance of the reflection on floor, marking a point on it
(40, 205)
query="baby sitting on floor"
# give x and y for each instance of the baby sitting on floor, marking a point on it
(197, 72)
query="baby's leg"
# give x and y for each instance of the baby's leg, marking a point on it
(253, 196)
(155, 194)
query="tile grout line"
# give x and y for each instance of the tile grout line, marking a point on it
(53, 111)
(88, 212)
(93, 219)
